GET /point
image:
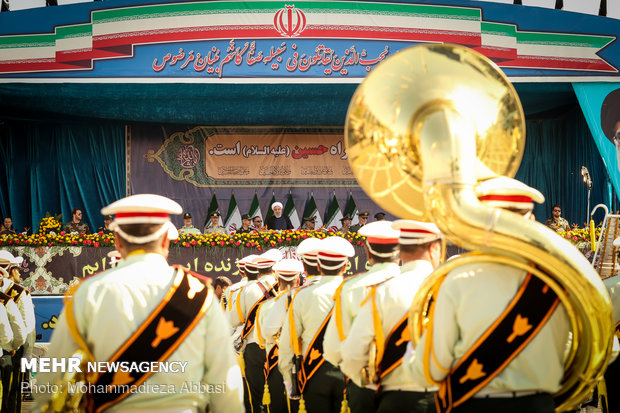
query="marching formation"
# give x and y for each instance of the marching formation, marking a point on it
(313, 341)
(306, 338)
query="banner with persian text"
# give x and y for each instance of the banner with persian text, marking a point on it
(250, 157)
(195, 164)
(214, 41)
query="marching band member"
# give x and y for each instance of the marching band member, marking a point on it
(501, 334)
(269, 320)
(383, 320)
(144, 309)
(382, 251)
(306, 374)
(261, 286)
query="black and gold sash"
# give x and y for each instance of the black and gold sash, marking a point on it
(314, 356)
(526, 314)
(251, 318)
(15, 291)
(4, 298)
(157, 338)
(271, 361)
(395, 347)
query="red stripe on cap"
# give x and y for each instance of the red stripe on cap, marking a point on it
(376, 240)
(141, 214)
(328, 255)
(509, 198)
(416, 231)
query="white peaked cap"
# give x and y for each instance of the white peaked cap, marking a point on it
(334, 252)
(144, 209)
(504, 192)
(288, 269)
(379, 232)
(6, 259)
(308, 249)
(241, 263)
(416, 232)
(268, 258)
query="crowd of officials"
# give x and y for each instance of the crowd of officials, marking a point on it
(295, 335)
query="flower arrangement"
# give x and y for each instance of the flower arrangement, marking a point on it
(259, 240)
(579, 235)
(50, 224)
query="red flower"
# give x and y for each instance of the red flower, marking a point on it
(63, 233)
(212, 244)
(193, 242)
(96, 244)
(222, 243)
(259, 248)
(237, 243)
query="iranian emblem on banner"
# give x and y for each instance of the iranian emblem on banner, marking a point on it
(289, 21)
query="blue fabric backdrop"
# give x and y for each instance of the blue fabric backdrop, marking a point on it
(51, 162)
(51, 167)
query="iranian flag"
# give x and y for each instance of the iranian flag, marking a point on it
(270, 212)
(213, 206)
(233, 217)
(333, 214)
(351, 210)
(291, 212)
(311, 211)
(255, 208)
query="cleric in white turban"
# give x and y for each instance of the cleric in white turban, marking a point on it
(278, 220)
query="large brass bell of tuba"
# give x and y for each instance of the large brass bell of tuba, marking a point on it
(421, 130)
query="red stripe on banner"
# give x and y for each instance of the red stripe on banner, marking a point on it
(39, 65)
(497, 53)
(236, 32)
(67, 56)
(559, 63)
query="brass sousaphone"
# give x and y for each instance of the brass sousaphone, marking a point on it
(422, 129)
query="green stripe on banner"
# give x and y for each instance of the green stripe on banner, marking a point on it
(555, 39)
(43, 40)
(68, 32)
(169, 10)
(499, 29)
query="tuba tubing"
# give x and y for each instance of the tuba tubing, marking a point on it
(417, 130)
(452, 204)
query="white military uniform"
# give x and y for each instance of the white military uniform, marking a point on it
(26, 310)
(393, 301)
(6, 333)
(353, 291)
(311, 305)
(110, 307)
(470, 299)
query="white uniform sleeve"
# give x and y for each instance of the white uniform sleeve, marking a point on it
(6, 333)
(221, 366)
(17, 325)
(355, 348)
